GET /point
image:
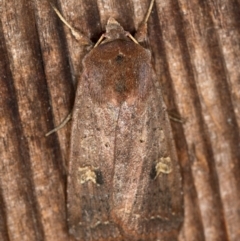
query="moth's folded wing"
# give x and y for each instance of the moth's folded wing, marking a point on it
(90, 170)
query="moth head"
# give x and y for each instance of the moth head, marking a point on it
(114, 30)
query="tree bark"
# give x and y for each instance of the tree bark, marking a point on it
(196, 54)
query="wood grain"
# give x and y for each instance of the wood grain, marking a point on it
(196, 52)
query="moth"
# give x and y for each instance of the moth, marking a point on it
(124, 181)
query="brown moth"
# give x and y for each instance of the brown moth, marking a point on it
(124, 181)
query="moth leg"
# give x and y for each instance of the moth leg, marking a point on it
(76, 34)
(141, 33)
(65, 121)
(84, 41)
(176, 119)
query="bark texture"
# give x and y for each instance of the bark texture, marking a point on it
(196, 50)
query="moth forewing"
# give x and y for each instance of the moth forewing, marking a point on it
(124, 181)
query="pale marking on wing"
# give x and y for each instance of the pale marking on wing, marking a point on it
(100, 223)
(164, 166)
(86, 174)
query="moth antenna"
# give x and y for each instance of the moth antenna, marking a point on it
(132, 38)
(99, 40)
(141, 33)
(77, 35)
(148, 12)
